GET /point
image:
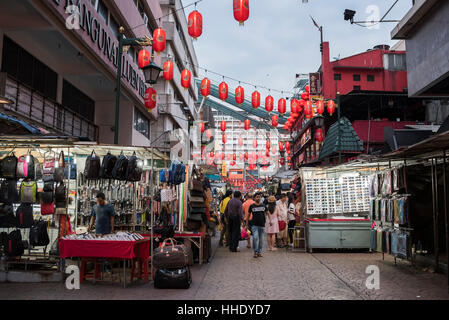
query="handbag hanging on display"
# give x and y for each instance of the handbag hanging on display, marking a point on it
(59, 175)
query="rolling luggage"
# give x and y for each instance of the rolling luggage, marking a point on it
(170, 256)
(173, 278)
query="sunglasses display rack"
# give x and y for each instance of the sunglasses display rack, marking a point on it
(338, 195)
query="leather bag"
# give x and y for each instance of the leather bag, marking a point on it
(170, 256)
(173, 279)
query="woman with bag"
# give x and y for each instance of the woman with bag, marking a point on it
(272, 223)
(282, 206)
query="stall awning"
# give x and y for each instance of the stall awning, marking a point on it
(12, 126)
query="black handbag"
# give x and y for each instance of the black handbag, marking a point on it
(170, 255)
(59, 173)
(173, 278)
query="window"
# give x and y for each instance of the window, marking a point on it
(77, 101)
(370, 78)
(113, 25)
(356, 77)
(395, 62)
(24, 67)
(103, 10)
(337, 76)
(141, 124)
(357, 88)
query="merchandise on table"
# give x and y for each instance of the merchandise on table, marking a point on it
(119, 236)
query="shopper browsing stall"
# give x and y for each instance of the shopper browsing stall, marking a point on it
(283, 220)
(103, 216)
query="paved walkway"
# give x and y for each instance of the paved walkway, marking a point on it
(277, 275)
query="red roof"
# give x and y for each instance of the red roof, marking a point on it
(375, 129)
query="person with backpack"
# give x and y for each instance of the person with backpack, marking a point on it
(224, 229)
(103, 216)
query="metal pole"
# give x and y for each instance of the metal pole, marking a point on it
(151, 211)
(436, 231)
(119, 78)
(339, 128)
(433, 169)
(446, 213)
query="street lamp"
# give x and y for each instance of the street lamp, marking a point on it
(151, 72)
(319, 121)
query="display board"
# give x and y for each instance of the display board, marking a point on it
(347, 194)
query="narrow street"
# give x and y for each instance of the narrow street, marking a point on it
(280, 275)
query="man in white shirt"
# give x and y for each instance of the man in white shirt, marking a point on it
(283, 216)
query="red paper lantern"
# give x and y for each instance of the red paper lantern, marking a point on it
(306, 88)
(222, 156)
(282, 106)
(168, 70)
(320, 107)
(281, 146)
(301, 104)
(287, 145)
(282, 161)
(144, 58)
(223, 138)
(331, 107)
(294, 105)
(319, 135)
(269, 102)
(223, 126)
(305, 96)
(239, 95)
(159, 39)
(254, 144)
(274, 120)
(186, 76)
(234, 156)
(241, 11)
(202, 127)
(212, 155)
(308, 109)
(255, 99)
(267, 153)
(205, 87)
(268, 144)
(246, 156)
(240, 141)
(223, 91)
(247, 124)
(195, 24)
(232, 163)
(150, 99)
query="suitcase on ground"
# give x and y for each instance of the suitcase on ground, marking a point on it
(173, 278)
(170, 256)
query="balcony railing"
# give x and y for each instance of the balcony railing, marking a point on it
(45, 112)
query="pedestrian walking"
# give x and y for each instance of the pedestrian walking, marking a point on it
(249, 201)
(282, 206)
(234, 215)
(224, 236)
(272, 224)
(256, 220)
(291, 217)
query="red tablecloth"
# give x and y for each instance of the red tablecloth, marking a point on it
(104, 249)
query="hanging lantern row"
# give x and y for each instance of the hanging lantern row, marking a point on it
(223, 91)
(205, 87)
(195, 24)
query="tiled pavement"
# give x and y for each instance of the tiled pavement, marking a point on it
(277, 275)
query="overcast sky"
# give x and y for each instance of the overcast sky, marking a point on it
(280, 40)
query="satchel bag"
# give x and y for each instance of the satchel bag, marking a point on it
(173, 279)
(282, 225)
(59, 175)
(170, 256)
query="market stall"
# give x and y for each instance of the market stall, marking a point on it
(336, 206)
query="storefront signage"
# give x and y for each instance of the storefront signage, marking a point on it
(104, 44)
(314, 82)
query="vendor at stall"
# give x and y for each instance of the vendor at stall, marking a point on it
(102, 215)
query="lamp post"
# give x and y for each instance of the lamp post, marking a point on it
(339, 128)
(151, 71)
